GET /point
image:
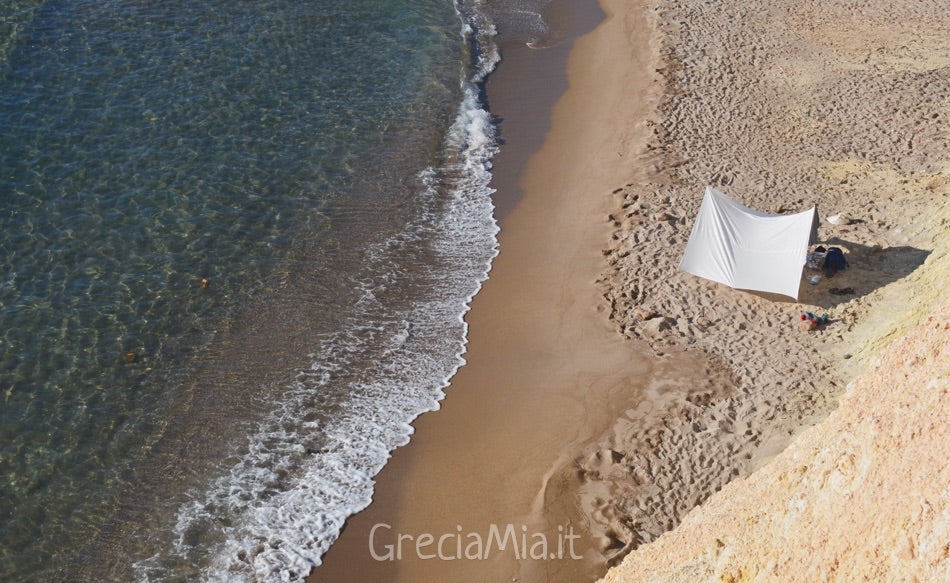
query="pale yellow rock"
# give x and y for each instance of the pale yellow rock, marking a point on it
(864, 496)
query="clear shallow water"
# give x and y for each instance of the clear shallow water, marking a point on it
(323, 167)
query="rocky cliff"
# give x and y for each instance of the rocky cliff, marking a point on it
(865, 495)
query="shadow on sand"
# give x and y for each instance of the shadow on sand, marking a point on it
(869, 268)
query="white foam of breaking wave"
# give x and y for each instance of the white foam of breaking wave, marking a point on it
(278, 508)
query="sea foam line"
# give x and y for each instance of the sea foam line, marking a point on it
(278, 509)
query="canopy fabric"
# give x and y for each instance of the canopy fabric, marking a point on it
(748, 249)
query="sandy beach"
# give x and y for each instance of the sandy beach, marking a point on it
(546, 373)
(607, 394)
(794, 105)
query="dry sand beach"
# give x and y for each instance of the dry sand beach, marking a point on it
(841, 104)
(607, 394)
(782, 107)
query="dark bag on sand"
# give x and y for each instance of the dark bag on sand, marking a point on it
(834, 260)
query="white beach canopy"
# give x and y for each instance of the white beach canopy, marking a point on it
(748, 249)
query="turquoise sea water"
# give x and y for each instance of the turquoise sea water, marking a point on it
(237, 240)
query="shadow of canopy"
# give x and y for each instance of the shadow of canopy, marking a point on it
(869, 268)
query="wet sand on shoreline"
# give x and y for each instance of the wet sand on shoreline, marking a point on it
(546, 374)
